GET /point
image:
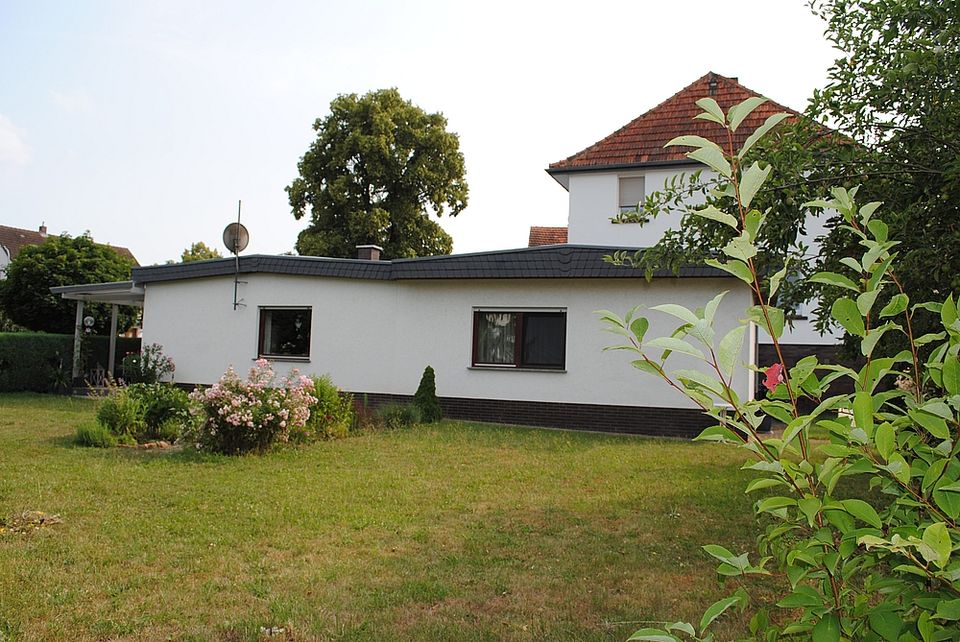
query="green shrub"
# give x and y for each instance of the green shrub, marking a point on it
(38, 362)
(426, 397)
(122, 414)
(396, 415)
(165, 409)
(331, 417)
(95, 436)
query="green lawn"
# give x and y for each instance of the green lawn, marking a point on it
(447, 532)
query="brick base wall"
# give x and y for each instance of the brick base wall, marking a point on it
(634, 420)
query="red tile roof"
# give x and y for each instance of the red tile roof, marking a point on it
(14, 239)
(642, 140)
(547, 236)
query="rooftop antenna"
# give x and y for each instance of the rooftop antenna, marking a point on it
(236, 237)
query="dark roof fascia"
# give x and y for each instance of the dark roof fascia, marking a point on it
(92, 287)
(542, 262)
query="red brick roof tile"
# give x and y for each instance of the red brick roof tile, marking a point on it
(14, 239)
(642, 140)
(547, 236)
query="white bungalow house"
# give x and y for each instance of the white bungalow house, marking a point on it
(512, 334)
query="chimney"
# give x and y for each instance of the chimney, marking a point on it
(43, 229)
(369, 252)
(712, 84)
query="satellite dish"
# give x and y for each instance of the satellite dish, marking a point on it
(236, 237)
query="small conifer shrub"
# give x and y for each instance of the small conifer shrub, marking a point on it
(426, 397)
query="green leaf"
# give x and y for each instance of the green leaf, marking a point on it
(741, 110)
(845, 312)
(897, 304)
(863, 411)
(750, 182)
(801, 597)
(777, 278)
(761, 131)
(775, 503)
(886, 440)
(710, 310)
(675, 345)
(886, 624)
(866, 300)
(715, 214)
(827, 629)
(862, 511)
(639, 328)
(710, 106)
(951, 374)
(777, 321)
(729, 350)
(712, 158)
(948, 312)
(645, 366)
(740, 248)
(935, 425)
(936, 537)
(716, 610)
(738, 269)
(653, 635)
(949, 610)
(692, 141)
(677, 311)
(878, 228)
(762, 482)
(832, 278)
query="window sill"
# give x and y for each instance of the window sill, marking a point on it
(514, 369)
(271, 357)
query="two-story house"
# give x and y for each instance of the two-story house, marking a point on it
(620, 170)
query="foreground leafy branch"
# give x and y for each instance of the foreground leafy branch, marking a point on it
(882, 569)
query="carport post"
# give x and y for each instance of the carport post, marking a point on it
(77, 331)
(113, 341)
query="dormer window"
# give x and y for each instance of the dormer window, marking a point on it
(631, 192)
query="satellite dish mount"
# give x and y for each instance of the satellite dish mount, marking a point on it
(236, 238)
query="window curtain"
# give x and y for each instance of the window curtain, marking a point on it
(496, 337)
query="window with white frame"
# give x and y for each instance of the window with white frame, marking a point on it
(520, 338)
(631, 192)
(284, 333)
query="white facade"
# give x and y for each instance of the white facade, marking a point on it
(594, 199)
(377, 336)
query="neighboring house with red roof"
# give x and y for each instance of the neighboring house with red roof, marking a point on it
(14, 239)
(620, 170)
(547, 236)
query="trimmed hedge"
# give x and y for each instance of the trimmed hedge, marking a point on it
(40, 362)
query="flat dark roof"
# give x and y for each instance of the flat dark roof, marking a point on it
(543, 262)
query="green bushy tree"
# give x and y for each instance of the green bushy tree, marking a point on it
(378, 169)
(880, 567)
(61, 260)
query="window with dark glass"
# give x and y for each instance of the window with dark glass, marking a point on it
(528, 339)
(284, 332)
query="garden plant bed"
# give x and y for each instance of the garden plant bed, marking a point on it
(450, 531)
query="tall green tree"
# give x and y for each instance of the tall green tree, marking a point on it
(199, 251)
(379, 168)
(893, 99)
(25, 295)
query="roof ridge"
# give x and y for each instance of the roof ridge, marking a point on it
(641, 140)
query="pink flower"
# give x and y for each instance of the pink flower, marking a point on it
(774, 377)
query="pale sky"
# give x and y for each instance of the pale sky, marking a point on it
(145, 122)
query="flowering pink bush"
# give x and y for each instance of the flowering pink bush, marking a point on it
(240, 415)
